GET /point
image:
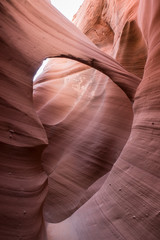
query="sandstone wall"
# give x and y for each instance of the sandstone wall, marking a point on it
(80, 147)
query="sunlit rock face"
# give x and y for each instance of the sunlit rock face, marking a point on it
(80, 156)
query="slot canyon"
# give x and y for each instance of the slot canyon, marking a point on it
(80, 145)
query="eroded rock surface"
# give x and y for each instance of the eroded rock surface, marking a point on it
(80, 158)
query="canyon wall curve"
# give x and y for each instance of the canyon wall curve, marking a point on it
(80, 151)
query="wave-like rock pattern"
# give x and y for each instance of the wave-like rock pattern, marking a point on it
(98, 177)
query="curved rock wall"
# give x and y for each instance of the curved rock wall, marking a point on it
(102, 157)
(86, 111)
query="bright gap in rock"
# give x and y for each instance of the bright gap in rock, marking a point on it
(40, 70)
(67, 7)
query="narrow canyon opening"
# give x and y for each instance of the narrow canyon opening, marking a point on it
(68, 9)
(79, 145)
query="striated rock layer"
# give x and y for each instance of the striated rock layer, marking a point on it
(80, 151)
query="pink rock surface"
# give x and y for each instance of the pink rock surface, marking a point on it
(80, 147)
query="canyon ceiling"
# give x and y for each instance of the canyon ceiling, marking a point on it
(79, 146)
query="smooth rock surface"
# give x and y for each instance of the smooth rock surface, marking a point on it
(80, 151)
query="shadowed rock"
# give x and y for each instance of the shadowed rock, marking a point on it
(78, 160)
